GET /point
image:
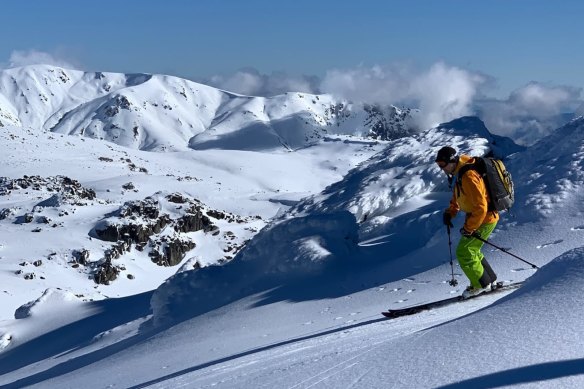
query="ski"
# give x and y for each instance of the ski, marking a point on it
(393, 313)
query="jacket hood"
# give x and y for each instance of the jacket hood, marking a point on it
(463, 159)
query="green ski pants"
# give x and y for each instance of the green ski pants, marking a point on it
(468, 253)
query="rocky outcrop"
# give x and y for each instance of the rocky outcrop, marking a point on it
(157, 224)
(7, 212)
(170, 251)
(69, 188)
(81, 256)
(387, 123)
(106, 272)
(160, 225)
(59, 192)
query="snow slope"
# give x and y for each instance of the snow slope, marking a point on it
(299, 305)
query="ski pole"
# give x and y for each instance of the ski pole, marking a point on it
(475, 235)
(453, 281)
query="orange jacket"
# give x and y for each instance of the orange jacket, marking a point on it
(470, 195)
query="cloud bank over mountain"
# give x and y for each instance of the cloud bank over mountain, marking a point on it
(251, 82)
(442, 92)
(532, 111)
(20, 58)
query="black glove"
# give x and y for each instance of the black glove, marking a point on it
(446, 219)
(466, 233)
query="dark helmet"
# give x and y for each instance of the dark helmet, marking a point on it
(446, 154)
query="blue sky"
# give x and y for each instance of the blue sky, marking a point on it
(514, 42)
(517, 64)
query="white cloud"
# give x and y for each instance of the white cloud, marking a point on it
(252, 83)
(445, 93)
(442, 92)
(242, 82)
(33, 57)
(540, 100)
(370, 85)
(531, 112)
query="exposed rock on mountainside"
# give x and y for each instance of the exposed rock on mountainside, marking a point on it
(66, 187)
(136, 221)
(158, 225)
(387, 124)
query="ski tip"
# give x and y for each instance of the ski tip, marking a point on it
(390, 314)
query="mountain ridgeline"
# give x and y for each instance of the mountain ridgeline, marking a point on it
(164, 113)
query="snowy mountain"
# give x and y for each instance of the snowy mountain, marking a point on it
(393, 195)
(163, 113)
(319, 240)
(110, 221)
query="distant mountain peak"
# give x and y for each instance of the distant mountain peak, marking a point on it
(472, 126)
(162, 113)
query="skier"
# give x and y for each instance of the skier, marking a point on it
(469, 194)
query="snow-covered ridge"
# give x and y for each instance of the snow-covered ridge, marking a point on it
(393, 194)
(557, 171)
(164, 113)
(405, 170)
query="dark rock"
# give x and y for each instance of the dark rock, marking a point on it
(6, 213)
(109, 233)
(148, 208)
(176, 198)
(106, 273)
(193, 222)
(173, 251)
(81, 256)
(43, 219)
(216, 214)
(214, 231)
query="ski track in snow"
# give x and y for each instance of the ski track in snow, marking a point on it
(549, 244)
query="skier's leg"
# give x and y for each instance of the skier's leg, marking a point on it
(469, 265)
(470, 258)
(489, 271)
(489, 275)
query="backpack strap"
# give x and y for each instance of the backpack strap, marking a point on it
(465, 168)
(479, 166)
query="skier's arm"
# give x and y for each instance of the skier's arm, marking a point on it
(474, 188)
(453, 208)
